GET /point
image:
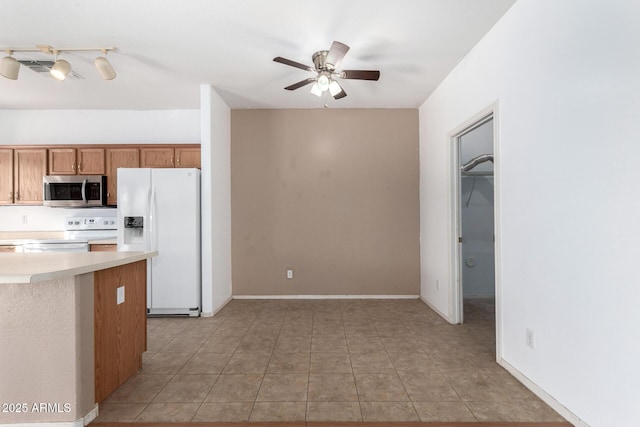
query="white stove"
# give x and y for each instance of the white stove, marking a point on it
(78, 232)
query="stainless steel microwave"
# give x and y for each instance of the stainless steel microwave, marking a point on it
(74, 191)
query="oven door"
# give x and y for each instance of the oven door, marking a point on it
(56, 247)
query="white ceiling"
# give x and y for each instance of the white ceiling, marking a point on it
(168, 48)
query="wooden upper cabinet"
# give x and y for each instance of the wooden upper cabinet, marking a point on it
(91, 161)
(80, 161)
(6, 176)
(119, 158)
(187, 157)
(29, 166)
(170, 157)
(22, 167)
(62, 161)
(156, 157)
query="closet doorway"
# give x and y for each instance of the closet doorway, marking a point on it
(474, 240)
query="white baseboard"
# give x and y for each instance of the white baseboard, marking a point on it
(543, 395)
(81, 422)
(326, 297)
(92, 415)
(211, 314)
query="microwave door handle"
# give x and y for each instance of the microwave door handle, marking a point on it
(84, 191)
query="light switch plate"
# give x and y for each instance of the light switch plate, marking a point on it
(120, 295)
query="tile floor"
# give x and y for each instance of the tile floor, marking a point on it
(323, 360)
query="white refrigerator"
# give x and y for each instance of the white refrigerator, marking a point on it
(159, 209)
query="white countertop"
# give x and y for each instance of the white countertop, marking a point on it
(40, 266)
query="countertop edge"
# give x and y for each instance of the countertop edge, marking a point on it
(105, 260)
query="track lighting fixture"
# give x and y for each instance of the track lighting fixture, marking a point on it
(10, 67)
(60, 69)
(104, 67)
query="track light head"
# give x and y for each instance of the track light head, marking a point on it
(9, 67)
(60, 69)
(104, 68)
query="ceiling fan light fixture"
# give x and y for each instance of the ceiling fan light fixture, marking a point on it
(334, 88)
(323, 82)
(325, 64)
(9, 67)
(104, 67)
(315, 89)
(60, 69)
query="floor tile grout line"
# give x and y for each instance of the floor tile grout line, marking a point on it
(355, 382)
(353, 375)
(265, 370)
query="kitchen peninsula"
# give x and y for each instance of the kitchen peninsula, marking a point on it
(72, 329)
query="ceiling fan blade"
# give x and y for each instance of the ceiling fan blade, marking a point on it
(360, 74)
(340, 94)
(286, 61)
(336, 53)
(301, 83)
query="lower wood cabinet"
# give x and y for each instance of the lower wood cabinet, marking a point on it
(120, 328)
(103, 247)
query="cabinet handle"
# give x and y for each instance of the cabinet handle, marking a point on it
(79, 167)
(17, 195)
(172, 159)
(178, 161)
(73, 166)
(10, 195)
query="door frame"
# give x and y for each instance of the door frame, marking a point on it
(456, 292)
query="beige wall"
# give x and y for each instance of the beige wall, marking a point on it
(332, 194)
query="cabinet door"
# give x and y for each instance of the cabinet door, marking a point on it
(187, 157)
(119, 158)
(6, 176)
(62, 161)
(29, 166)
(103, 247)
(91, 161)
(156, 157)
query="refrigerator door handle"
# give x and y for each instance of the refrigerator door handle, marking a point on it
(153, 240)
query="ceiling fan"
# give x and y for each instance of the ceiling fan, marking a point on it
(326, 63)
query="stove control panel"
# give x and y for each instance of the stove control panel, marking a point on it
(90, 223)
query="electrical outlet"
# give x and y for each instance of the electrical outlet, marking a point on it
(289, 273)
(120, 295)
(437, 285)
(25, 219)
(530, 338)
